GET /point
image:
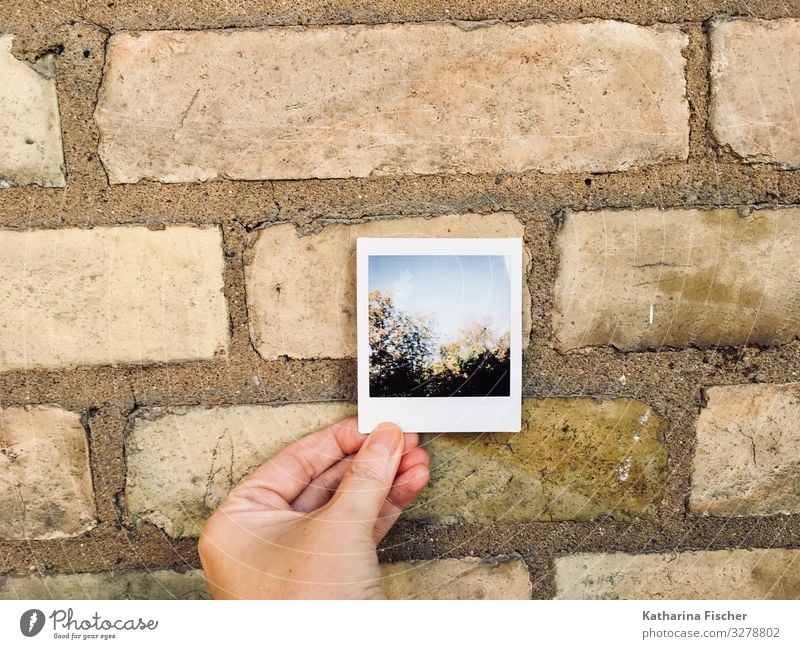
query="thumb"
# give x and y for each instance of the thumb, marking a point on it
(365, 486)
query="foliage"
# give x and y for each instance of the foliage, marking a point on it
(406, 361)
(401, 346)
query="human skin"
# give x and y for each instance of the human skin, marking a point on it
(306, 524)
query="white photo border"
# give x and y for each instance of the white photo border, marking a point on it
(440, 414)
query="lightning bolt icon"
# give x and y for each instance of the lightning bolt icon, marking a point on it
(32, 621)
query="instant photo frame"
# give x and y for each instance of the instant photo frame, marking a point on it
(442, 414)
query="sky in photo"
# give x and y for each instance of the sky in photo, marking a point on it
(453, 290)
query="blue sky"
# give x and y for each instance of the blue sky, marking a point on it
(453, 290)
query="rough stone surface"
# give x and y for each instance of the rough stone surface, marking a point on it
(648, 279)
(747, 454)
(355, 100)
(45, 480)
(129, 584)
(183, 461)
(468, 578)
(722, 574)
(111, 295)
(301, 290)
(755, 73)
(30, 132)
(574, 459)
(127, 14)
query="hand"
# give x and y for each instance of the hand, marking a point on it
(306, 524)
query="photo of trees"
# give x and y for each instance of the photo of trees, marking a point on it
(439, 326)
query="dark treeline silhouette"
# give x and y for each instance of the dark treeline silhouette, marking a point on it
(405, 360)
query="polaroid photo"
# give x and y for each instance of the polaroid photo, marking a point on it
(439, 334)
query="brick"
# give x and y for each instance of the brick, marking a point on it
(30, 131)
(128, 584)
(574, 459)
(709, 278)
(468, 578)
(360, 100)
(111, 296)
(301, 290)
(183, 461)
(720, 574)
(745, 457)
(45, 480)
(755, 70)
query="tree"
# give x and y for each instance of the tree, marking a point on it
(405, 360)
(401, 347)
(475, 364)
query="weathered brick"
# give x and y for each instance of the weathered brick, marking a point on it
(357, 100)
(574, 459)
(128, 584)
(301, 291)
(647, 279)
(183, 461)
(755, 73)
(45, 481)
(30, 131)
(722, 574)
(111, 295)
(747, 449)
(468, 578)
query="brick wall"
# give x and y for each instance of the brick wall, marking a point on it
(181, 185)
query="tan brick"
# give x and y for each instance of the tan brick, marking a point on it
(574, 459)
(708, 278)
(755, 73)
(128, 584)
(45, 480)
(746, 454)
(721, 574)
(356, 100)
(438, 579)
(30, 130)
(111, 295)
(183, 461)
(301, 291)
(469, 578)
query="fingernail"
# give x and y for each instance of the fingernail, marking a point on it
(384, 439)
